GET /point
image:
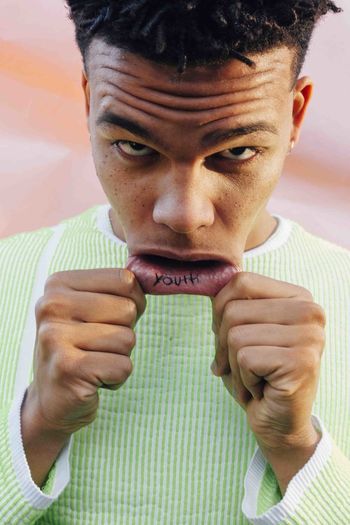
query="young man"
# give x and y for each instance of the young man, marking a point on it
(192, 107)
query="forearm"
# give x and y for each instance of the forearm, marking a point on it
(290, 457)
(42, 445)
(21, 498)
(317, 493)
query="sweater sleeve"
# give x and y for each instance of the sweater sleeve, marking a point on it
(22, 501)
(317, 495)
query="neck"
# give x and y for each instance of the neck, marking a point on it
(264, 226)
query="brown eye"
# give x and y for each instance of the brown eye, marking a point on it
(238, 154)
(133, 149)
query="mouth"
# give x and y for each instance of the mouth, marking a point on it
(177, 263)
(163, 275)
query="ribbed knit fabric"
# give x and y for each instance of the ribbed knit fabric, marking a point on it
(171, 447)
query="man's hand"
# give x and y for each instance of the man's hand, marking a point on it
(84, 339)
(269, 343)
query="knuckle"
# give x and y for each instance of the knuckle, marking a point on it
(317, 335)
(311, 336)
(310, 361)
(54, 280)
(319, 314)
(304, 362)
(242, 358)
(236, 337)
(128, 340)
(304, 293)
(126, 369)
(50, 305)
(39, 307)
(127, 278)
(63, 367)
(306, 311)
(130, 310)
(229, 312)
(123, 370)
(244, 284)
(49, 334)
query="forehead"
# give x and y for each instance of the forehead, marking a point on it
(200, 96)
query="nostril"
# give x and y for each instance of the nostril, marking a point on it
(184, 215)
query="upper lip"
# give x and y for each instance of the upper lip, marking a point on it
(182, 256)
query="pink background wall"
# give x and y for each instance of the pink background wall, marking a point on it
(46, 167)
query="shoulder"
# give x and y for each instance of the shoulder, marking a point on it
(317, 246)
(319, 258)
(22, 251)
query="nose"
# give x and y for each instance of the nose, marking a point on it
(183, 203)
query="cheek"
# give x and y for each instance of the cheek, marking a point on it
(131, 196)
(264, 183)
(248, 192)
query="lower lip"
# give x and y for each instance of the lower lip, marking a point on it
(161, 276)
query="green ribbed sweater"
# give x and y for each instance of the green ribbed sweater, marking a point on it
(171, 447)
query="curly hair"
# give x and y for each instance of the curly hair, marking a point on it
(198, 32)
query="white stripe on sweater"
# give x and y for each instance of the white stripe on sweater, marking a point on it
(30, 490)
(29, 333)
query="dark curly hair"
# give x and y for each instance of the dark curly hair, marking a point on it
(198, 32)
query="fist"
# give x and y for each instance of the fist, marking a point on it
(269, 342)
(84, 339)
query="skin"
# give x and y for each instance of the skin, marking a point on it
(182, 196)
(188, 194)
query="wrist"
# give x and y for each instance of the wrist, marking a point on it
(285, 443)
(42, 444)
(290, 454)
(35, 428)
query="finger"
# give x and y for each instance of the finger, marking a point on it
(113, 281)
(104, 308)
(232, 378)
(276, 311)
(259, 365)
(253, 383)
(96, 337)
(295, 315)
(103, 368)
(237, 337)
(87, 307)
(245, 285)
(237, 389)
(232, 340)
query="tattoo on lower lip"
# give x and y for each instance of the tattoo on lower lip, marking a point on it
(169, 280)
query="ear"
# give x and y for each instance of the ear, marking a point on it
(302, 95)
(86, 88)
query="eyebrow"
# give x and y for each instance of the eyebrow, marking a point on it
(115, 120)
(218, 136)
(210, 139)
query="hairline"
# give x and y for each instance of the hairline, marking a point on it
(295, 71)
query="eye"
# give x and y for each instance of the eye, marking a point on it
(239, 154)
(133, 149)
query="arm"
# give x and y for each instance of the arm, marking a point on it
(22, 500)
(286, 461)
(41, 445)
(72, 360)
(270, 339)
(318, 494)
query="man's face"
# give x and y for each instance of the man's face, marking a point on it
(189, 162)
